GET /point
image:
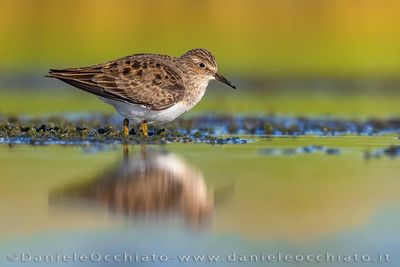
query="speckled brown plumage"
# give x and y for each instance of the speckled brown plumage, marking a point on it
(150, 81)
(145, 79)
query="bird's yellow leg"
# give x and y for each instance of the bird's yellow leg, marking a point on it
(126, 127)
(143, 128)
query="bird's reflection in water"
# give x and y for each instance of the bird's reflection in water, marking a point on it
(148, 184)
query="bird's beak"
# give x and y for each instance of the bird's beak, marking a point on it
(221, 78)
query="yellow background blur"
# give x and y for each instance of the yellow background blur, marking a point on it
(275, 37)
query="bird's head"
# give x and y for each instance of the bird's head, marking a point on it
(201, 62)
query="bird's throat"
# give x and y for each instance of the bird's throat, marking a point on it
(195, 95)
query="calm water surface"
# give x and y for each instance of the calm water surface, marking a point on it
(281, 195)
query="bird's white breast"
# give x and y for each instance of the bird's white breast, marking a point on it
(137, 113)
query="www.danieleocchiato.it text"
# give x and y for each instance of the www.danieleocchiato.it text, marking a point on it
(233, 257)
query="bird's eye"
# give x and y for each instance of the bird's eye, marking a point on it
(202, 65)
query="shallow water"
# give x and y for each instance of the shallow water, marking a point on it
(271, 196)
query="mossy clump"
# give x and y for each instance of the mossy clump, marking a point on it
(67, 132)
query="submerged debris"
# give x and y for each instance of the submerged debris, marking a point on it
(272, 125)
(82, 129)
(71, 132)
(298, 151)
(390, 151)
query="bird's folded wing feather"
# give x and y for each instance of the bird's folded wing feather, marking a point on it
(136, 79)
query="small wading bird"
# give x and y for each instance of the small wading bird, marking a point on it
(147, 88)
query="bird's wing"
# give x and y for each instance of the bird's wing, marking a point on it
(139, 79)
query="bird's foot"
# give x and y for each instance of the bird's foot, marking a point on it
(126, 127)
(143, 129)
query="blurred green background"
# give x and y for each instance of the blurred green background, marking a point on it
(287, 56)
